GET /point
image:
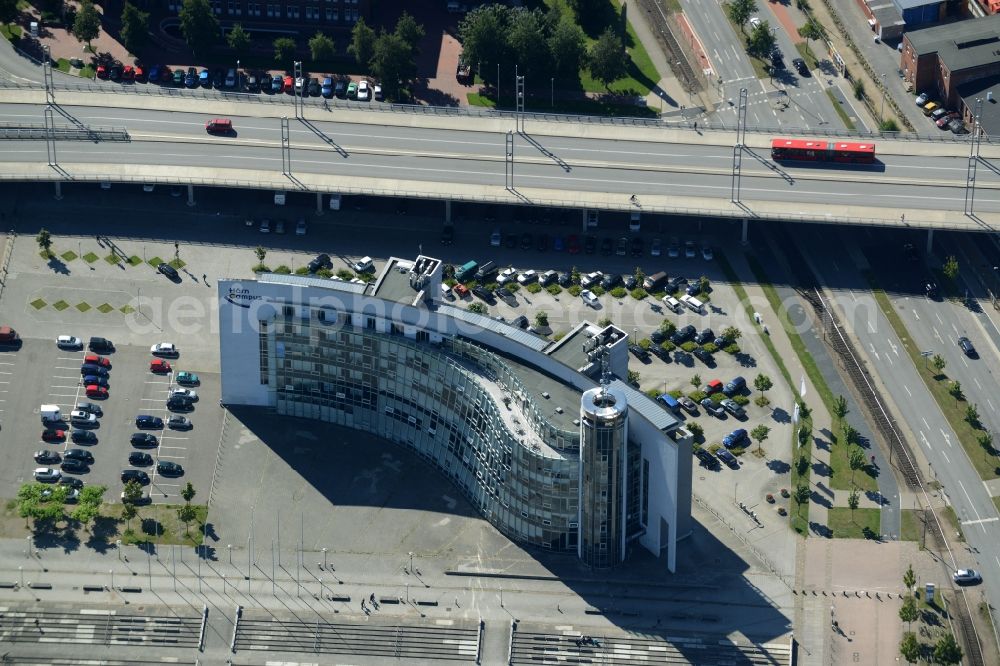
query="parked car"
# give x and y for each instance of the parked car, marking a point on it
(101, 345)
(735, 438)
(590, 298)
(94, 359)
(53, 435)
(190, 394)
(140, 459)
(82, 455)
(364, 92)
(46, 457)
(639, 353)
(83, 437)
(682, 335)
(728, 458)
(69, 342)
(90, 407)
(713, 408)
(733, 408)
(178, 422)
(136, 475)
(688, 405)
(46, 475)
(159, 366)
(169, 271)
(96, 380)
(73, 466)
(82, 419)
(187, 378)
(507, 275)
(143, 440)
(967, 577)
(168, 349)
(326, 90)
(168, 468)
(321, 261)
(922, 99)
(94, 391)
(148, 422)
(93, 369)
(704, 335)
(707, 459)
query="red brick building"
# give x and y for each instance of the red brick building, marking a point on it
(940, 59)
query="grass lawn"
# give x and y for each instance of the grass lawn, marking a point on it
(912, 525)
(10, 32)
(806, 54)
(38, 303)
(838, 107)
(864, 478)
(154, 261)
(986, 462)
(863, 524)
(158, 523)
(951, 520)
(134, 260)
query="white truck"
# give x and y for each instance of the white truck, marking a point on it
(50, 413)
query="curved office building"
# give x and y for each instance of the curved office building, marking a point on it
(495, 408)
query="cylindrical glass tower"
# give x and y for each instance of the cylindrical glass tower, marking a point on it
(603, 441)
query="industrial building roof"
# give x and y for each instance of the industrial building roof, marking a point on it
(989, 91)
(644, 405)
(312, 281)
(960, 45)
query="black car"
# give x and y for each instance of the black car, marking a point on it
(589, 244)
(167, 468)
(713, 408)
(682, 335)
(178, 422)
(191, 78)
(636, 247)
(45, 457)
(148, 422)
(93, 369)
(79, 454)
(169, 271)
(704, 356)
(707, 459)
(179, 404)
(674, 283)
(83, 437)
(115, 74)
(73, 465)
(510, 241)
(629, 281)
(447, 235)
(253, 82)
(72, 482)
(520, 322)
(931, 289)
(607, 247)
(143, 440)
(704, 335)
(313, 88)
(610, 281)
(639, 352)
(101, 345)
(484, 294)
(565, 279)
(800, 66)
(658, 336)
(544, 243)
(136, 475)
(218, 78)
(90, 407)
(321, 261)
(140, 459)
(967, 347)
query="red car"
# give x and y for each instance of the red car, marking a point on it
(102, 72)
(460, 290)
(97, 360)
(159, 366)
(140, 74)
(53, 435)
(289, 86)
(713, 386)
(573, 244)
(128, 73)
(95, 391)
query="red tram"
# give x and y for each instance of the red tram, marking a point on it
(814, 150)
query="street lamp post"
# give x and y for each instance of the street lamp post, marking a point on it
(237, 73)
(411, 561)
(553, 82)
(881, 111)
(324, 558)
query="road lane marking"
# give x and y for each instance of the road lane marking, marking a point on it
(926, 425)
(945, 457)
(971, 504)
(946, 437)
(980, 521)
(975, 379)
(916, 315)
(907, 390)
(940, 321)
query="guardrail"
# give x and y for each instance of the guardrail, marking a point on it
(23, 132)
(285, 100)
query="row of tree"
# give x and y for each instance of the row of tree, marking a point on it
(540, 45)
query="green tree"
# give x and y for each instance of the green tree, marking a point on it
(852, 501)
(478, 308)
(87, 24)
(567, 48)
(985, 440)
(696, 381)
(29, 497)
(762, 383)
(607, 59)
(260, 251)
(909, 579)
(801, 495)
(840, 407)
(639, 275)
(888, 125)
(909, 647)
(8, 11)
(760, 42)
(703, 284)
(759, 434)
(972, 415)
(322, 47)
(939, 363)
(483, 35)
(850, 434)
(132, 492)
(410, 32)
(541, 319)
(740, 12)
(135, 28)
(947, 651)
(84, 513)
(238, 39)
(284, 50)
(668, 327)
(188, 493)
(633, 377)
(526, 41)
(362, 45)
(812, 29)
(731, 333)
(856, 459)
(574, 275)
(392, 62)
(199, 26)
(186, 514)
(955, 390)
(128, 513)
(858, 87)
(44, 240)
(950, 267)
(908, 611)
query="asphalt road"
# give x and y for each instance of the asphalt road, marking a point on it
(474, 158)
(888, 360)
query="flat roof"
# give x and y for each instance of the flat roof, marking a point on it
(561, 395)
(962, 44)
(990, 118)
(312, 281)
(394, 283)
(570, 349)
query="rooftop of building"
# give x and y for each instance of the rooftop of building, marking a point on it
(576, 347)
(989, 119)
(558, 402)
(394, 283)
(960, 45)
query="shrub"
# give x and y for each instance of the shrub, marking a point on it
(714, 448)
(689, 346)
(652, 393)
(710, 347)
(762, 401)
(451, 282)
(645, 343)
(676, 393)
(261, 268)
(324, 273)
(283, 270)
(302, 270)
(696, 430)
(737, 450)
(638, 293)
(478, 308)
(604, 321)
(345, 274)
(618, 292)
(718, 397)
(491, 286)
(633, 377)
(697, 396)
(667, 346)
(598, 290)
(668, 327)
(533, 288)
(554, 289)
(574, 290)
(741, 400)
(732, 349)
(512, 287)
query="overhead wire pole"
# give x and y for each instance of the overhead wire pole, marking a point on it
(297, 96)
(50, 93)
(519, 98)
(741, 131)
(509, 161)
(970, 178)
(50, 135)
(286, 151)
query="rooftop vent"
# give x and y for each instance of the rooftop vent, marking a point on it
(545, 395)
(559, 410)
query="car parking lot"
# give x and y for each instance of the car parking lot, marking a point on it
(52, 376)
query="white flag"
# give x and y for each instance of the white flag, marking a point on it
(802, 387)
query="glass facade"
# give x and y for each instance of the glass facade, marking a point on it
(451, 402)
(603, 473)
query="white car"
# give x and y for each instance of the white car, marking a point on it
(364, 91)
(589, 297)
(80, 417)
(69, 342)
(689, 250)
(922, 99)
(506, 275)
(446, 292)
(47, 474)
(654, 248)
(377, 92)
(527, 277)
(364, 265)
(495, 238)
(164, 349)
(300, 227)
(590, 279)
(184, 393)
(967, 577)
(706, 253)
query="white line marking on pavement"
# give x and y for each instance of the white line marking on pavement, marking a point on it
(916, 315)
(907, 390)
(926, 425)
(971, 504)
(980, 521)
(946, 457)
(990, 403)
(940, 321)
(947, 438)
(977, 383)
(924, 438)
(937, 335)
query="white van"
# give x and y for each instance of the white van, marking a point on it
(634, 223)
(334, 202)
(50, 413)
(279, 198)
(693, 303)
(672, 303)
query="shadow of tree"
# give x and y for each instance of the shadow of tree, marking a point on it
(779, 466)
(820, 529)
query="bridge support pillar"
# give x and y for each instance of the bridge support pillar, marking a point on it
(447, 212)
(58, 190)
(743, 235)
(583, 220)
(930, 240)
(319, 203)
(190, 195)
